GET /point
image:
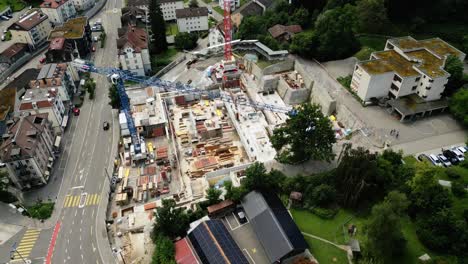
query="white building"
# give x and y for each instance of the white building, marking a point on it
(216, 37)
(133, 53)
(192, 19)
(58, 11)
(44, 100)
(81, 5)
(27, 151)
(32, 29)
(234, 4)
(57, 76)
(169, 7)
(406, 66)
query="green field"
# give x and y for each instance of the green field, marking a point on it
(172, 29)
(370, 44)
(14, 4)
(326, 253)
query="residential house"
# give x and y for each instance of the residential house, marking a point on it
(192, 19)
(27, 150)
(406, 67)
(70, 41)
(13, 53)
(284, 33)
(40, 101)
(234, 4)
(21, 82)
(55, 76)
(142, 4)
(132, 45)
(7, 106)
(274, 227)
(32, 29)
(168, 7)
(81, 5)
(131, 14)
(216, 37)
(250, 9)
(265, 4)
(58, 11)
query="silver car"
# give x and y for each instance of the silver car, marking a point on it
(444, 160)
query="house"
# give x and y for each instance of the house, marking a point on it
(13, 53)
(148, 112)
(169, 7)
(21, 82)
(250, 9)
(55, 76)
(284, 33)
(184, 254)
(265, 4)
(192, 19)
(7, 106)
(216, 37)
(234, 4)
(81, 5)
(58, 11)
(70, 41)
(131, 14)
(132, 45)
(40, 101)
(32, 29)
(221, 209)
(142, 4)
(275, 229)
(213, 243)
(27, 150)
(406, 68)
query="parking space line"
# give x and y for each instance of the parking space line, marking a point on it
(248, 254)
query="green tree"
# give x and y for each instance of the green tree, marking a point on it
(257, 178)
(185, 41)
(164, 252)
(212, 195)
(465, 44)
(454, 66)
(458, 104)
(114, 97)
(170, 221)
(304, 44)
(372, 16)
(337, 3)
(158, 27)
(306, 135)
(3, 180)
(251, 27)
(193, 3)
(458, 189)
(385, 238)
(90, 87)
(300, 17)
(234, 193)
(323, 195)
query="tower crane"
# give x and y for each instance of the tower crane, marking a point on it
(118, 76)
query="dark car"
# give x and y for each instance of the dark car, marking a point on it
(240, 215)
(424, 157)
(451, 156)
(105, 125)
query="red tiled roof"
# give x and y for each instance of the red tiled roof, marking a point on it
(32, 19)
(183, 253)
(13, 50)
(278, 30)
(56, 44)
(26, 106)
(134, 37)
(53, 3)
(150, 206)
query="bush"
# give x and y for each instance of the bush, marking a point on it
(7, 197)
(345, 81)
(458, 189)
(325, 213)
(41, 210)
(452, 174)
(185, 41)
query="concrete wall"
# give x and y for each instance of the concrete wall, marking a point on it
(292, 96)
(286, 65)
(374, 85)
(306, 77)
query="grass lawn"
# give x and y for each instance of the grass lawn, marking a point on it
(265, 63)
(326, 253)
(219, 10)
(172, 29)
(207, 1)
(15, 5)
(167, 55)
(373, 42)
(158, 62)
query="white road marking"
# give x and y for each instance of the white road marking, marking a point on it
(94, 248)
(76, 211)
(235, 218)
(92, 214)
(91, 230)
(228, 223)
(77, 187)
(248, 254)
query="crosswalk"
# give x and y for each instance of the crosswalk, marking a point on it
(81, 200)
(26, 244)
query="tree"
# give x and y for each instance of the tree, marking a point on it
(170, 221)
(257, 178)
(3, 180)
(454, 66)
(158, 27)
(114, 97)
(306, 135)
(185, 41)
(164, 252)
(458, 104)
(322, 195)
(458, 189)
(90, 87)
(334, 30)
(212, 195)
(305, 44)
(234, 193)
(372, 16)
(337, 3)
(251, 27)
(385, 238)
(300, 17)
(193, 3)
(465, 44)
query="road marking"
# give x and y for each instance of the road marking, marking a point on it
(92, 215)
(76, 200)
(76, 212)
(77, 187)
(83, 200)
(27, 243)
(248, 254)
(80, 201)
(67, 201)
(52, 243)
(91, 230)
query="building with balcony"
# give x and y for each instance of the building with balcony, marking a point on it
(81, 5)
(27, 150)
(13, 53)
(70, 41)
(44, 101)
(234, 4)
(32, 29)
(133, 52)
(55, 76)
(58, 11)
(192, 19)
(406, 67)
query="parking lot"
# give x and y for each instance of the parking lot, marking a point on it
(433, 154)
(245, 237)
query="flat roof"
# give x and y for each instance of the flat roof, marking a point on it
(388, 61)
(436, 45)
(72, 29)
(32, 19)
(429, 63)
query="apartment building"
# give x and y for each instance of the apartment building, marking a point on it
(55, 76)
(32, 29)
(169, 7)
(27, 150)
(234, 4)
(192, 19)
(406, 67)
(81, 5)
(133, 52)
(44, 101)
(58, 11)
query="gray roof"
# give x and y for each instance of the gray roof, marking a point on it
(266, 3)
(47, 71)
(273, 225)
(191, 12)
(250, 9)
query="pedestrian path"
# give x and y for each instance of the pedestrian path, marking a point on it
(26, 244)
(81, 200)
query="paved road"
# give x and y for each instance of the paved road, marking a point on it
(218, 17)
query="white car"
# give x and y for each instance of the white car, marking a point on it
(435, 160)
(461, 149)
(460, 155)
(444, 160)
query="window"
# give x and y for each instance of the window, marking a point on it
(431, 80)
(428, 87)
(397, 78)
(394, 87)
(417, 79)
(414, 88)
(424, 96)
(424, 76)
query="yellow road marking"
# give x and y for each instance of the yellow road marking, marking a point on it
(96, 198)
(127, 172)
(87, 199)
(90, 199)
(76, 200)
(68, 198)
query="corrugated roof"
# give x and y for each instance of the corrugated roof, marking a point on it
(278, 30)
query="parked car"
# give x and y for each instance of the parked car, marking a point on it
(96, 28)
(240, 215)
(210, 11)
(424, 157)
(2, 165)
(462, 149)
(42, 60)
(435, 160)
(444, 160)
(451, 156)
(5, 18)
(93, 48)
(3, 37)
(76, 111)
(460, 155)
(105, 125)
